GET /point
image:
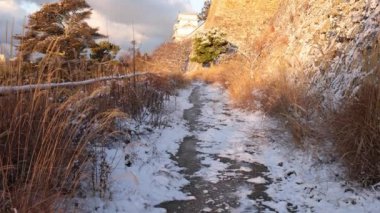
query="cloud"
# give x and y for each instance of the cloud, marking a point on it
(10, 12)
(152, 19)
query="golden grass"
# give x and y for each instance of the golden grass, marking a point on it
(259, 78)
(356, 129)
(45, 135)
(43, 148)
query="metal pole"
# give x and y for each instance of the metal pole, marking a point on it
(134, 56)
(11, 44)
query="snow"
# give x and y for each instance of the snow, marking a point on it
(245, 169)
(313, 186)
(299, 180)
(295, 179)
(338, 77)
(258, 180)
(206, 210)
(153, 177)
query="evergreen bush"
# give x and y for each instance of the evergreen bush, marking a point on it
(208, 46)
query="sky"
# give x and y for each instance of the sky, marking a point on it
(153, 20)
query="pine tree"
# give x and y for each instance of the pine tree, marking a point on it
(208, 46)
(104, 51)
(60, 28)
(202, 16)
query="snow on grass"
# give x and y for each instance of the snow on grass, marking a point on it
(257, 180)
(245, 169)
(320, 187)
(153, 176)
(301, 180)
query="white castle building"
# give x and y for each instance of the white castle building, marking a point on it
(2, 58)
(187, 24)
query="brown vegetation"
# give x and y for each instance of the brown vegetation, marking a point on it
(45, 135)
(55, 69)
(288, 65)
(356, 129)
(274, 93)
(42, 148)
(170, 57)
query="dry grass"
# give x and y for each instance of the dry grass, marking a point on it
(280, 95)
(170, 61)
(45, 136)
(170, 57)
(356, 129)
(45, 139)
(55, 69)
(259, 79)
(209, 75)
(43, 148)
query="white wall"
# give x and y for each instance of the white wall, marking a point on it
(2, 58)
(186, 25)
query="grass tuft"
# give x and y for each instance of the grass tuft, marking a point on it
(356, 129)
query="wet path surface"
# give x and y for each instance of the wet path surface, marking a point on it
(220, 193)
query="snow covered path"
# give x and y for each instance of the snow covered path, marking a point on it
(214, 158)
(245, 162)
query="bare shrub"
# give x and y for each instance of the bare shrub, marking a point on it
(356, 129)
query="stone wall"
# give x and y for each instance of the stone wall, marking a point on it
(241, 19)
(334, 44)
(185, 26)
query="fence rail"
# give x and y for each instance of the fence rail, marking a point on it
(4, 90)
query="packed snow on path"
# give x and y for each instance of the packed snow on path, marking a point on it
(300, 179)
(296, 181)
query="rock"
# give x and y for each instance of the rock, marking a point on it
(291, 207)
(210, 202)
(349, 190)
(289, 174)
(207, 209)
(128, 162)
